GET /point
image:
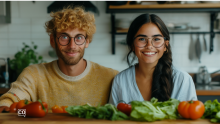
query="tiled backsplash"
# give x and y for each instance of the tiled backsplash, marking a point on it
(28, 21)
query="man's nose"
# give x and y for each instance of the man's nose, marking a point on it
(72, 43)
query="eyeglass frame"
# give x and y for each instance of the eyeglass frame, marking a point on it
(70, 39)
(151, 41)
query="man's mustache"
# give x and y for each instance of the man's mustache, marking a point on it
(71, 51)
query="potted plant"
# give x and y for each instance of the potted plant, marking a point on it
(24, 58)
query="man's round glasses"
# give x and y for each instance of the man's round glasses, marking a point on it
(65, 39)
(156, 41)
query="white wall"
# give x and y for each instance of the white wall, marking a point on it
(28, 21)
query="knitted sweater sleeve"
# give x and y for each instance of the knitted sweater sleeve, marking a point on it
(23, 88)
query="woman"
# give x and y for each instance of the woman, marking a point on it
(154, 74)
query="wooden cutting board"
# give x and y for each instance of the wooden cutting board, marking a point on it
(51, 118)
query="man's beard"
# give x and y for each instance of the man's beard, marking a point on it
(70, 60)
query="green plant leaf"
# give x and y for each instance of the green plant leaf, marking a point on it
(25, 57)
(34, 56)
(18, 55)
(40, 57)
(36, 61)
(30, 53)
(35, 47)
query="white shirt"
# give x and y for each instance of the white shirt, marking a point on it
(125, 88)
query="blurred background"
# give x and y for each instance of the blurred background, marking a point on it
(23, 22)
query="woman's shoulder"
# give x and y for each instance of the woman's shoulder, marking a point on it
(126, 73)
(181, 78)
(178, 73)
(184, 88)
(125, 76)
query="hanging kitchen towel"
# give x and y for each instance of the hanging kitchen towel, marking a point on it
(191, 48)
(198, 49)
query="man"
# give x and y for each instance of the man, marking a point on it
(70, 80)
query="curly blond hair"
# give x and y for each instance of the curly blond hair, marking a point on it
(71, 18)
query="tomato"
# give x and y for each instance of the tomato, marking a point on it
(35, 109)
(22, 103)
(13, 108)
(57, 109)
(191, 109)
(125, 108)
(63, 107)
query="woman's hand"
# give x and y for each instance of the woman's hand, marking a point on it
(4, 108)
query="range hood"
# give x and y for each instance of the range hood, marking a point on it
(5, 12)
(59, 5)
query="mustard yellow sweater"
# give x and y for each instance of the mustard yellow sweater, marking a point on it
(48, 83)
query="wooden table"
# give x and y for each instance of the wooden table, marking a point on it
(51, 118)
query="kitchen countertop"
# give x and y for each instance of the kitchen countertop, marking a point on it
(215, 92)
(65, 118)
(208, 92)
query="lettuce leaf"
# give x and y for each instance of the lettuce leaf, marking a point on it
(212, 110)
(108, 112)
(154, 110)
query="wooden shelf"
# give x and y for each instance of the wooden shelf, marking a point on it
(166, 6)
(121, 30)
(124, 31)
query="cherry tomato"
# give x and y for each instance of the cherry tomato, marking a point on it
(57, 109)
(13, 108)
(125, 108)
(191, 109)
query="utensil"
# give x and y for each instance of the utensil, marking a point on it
(181, 26)
(203, 78)
(178, 26)
(198, 49)
(205, 44)
(194, 27)
(191, 48)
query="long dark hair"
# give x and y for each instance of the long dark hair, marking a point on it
(162, 85)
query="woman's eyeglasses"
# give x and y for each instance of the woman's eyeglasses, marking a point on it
(156, 41)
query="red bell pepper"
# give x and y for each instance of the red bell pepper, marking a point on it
(45, 105)
(36, 109)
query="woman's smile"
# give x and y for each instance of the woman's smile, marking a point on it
(149, 53)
